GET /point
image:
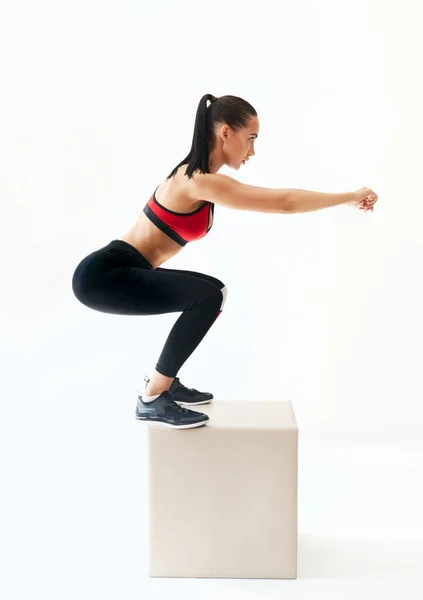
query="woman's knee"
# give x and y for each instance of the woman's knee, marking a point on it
(221, 296)
(224, 291)
(214, 297)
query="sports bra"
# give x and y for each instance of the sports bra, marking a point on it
(181, 227)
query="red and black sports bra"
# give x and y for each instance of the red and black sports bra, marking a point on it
(181, 227)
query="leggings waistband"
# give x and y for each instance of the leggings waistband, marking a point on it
(127, 249)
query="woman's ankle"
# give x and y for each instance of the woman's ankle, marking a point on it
(158, 384)
(149, 391)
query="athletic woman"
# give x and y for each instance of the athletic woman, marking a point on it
(126, 277)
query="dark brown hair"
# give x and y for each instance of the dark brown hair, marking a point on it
(229, 110)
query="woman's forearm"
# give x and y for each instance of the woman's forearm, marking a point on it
(299, 201)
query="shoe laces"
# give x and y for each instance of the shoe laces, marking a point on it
(175, 405)
(171, 402)
(184, 386)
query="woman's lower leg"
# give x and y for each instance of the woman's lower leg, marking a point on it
(185, 335)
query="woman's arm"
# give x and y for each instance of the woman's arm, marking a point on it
(231, 193)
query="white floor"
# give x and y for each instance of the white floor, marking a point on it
(73, 516)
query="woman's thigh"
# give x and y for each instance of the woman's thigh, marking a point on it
(136, 291)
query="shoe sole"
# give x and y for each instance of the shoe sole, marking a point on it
(164, 424)
(181, 402)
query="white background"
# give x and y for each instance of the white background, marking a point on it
(97, 105)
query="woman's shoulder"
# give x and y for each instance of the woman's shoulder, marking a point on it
(179, 193)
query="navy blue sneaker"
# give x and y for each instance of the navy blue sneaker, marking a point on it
(165, 411)
(186, 396)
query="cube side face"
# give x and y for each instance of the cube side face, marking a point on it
(223, 503)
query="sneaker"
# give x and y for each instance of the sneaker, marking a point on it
(186, 396)
(165, 411)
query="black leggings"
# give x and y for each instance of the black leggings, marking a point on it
(118, 279)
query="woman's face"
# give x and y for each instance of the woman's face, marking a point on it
(239, 145)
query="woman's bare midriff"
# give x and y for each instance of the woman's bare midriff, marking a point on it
(175, 194)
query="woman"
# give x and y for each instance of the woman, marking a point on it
(126, 277)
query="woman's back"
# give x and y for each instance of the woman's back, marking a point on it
(175, 195)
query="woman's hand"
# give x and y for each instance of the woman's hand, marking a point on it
(364, 199)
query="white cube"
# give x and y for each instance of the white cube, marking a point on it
(223, 497)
